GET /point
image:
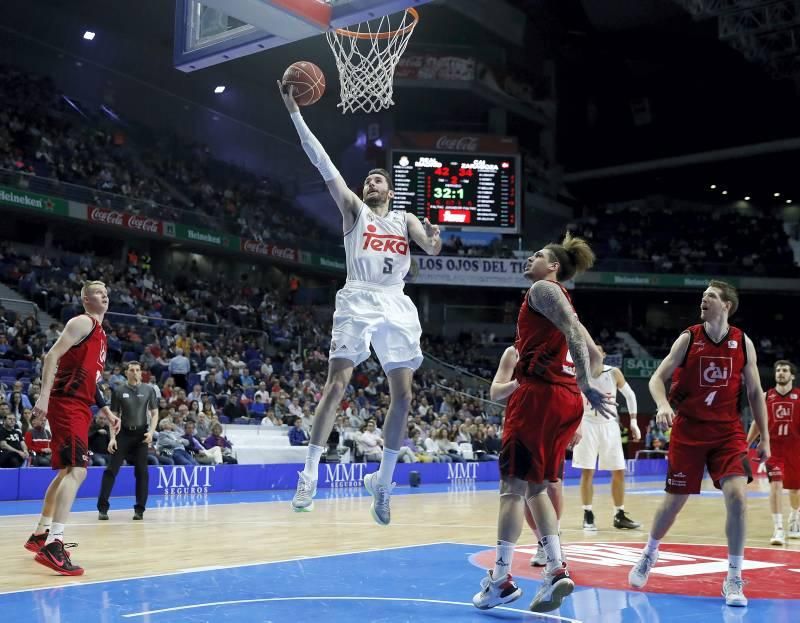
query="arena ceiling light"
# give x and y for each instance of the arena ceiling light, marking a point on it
(219, 89)
(747, 198)
(88, 35)
(724, 192)
(776, 194)
(788, 201)
(713, 187)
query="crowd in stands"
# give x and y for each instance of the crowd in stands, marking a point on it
(688, 242)
(43, 133)
(220, 353)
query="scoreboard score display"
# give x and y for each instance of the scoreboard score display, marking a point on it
(478, 192)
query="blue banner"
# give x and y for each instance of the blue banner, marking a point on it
(30, 483)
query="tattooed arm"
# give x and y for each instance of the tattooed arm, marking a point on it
(548, 299)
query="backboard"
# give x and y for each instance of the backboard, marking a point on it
(215, 31)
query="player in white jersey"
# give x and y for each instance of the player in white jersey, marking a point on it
(600, 437)
(370, 309)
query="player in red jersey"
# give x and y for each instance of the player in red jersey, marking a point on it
(69, 385)
(543, 413)
(709, 365)
(783, 467)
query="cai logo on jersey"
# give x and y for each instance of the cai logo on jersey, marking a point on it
(715, 371)
(384, 243)
(783, 410)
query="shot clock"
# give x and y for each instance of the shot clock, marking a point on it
(478, 192)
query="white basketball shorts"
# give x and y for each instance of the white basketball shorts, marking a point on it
(383, 317)
(600, 438)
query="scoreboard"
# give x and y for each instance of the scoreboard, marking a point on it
(478, 192)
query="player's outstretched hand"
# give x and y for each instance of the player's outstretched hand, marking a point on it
(636, 434)
(431, 231)
(601, 403)
(287, 93)
(39, 408)
(664, 416)
(764, 451)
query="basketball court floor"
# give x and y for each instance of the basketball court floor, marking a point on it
(248, 557)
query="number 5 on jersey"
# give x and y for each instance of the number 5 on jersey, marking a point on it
(388, 265)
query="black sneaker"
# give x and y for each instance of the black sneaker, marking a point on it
(55, 557)
(102, 515)
(623, 522)
(137, 516)
(588, 520)
(36, 542)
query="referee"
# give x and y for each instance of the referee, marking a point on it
(131, 402)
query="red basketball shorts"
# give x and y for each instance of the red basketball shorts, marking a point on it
(69, 423)
(784, 467)
(695, 445)
(541, 419)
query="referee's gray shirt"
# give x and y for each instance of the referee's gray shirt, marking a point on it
(133, 404)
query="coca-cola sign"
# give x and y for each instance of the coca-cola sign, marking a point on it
(106, 217)
(129, 221)
(265, 248)
(143, 223)
(457, 143)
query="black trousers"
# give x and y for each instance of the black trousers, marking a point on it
(129, 445)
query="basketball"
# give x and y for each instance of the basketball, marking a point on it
(308, 81)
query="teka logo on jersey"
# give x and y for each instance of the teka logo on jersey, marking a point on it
(463, 143)
(182, 479)
(384, 243)
(462, 471)
(107, 217)
(783, 410)
(715, 371)
(344, 474)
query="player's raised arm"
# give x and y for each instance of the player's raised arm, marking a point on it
(74, 331)
(755, 396)
(424, 234)
(503, 384)
(547, 298)
(346, 200)
(663, 375)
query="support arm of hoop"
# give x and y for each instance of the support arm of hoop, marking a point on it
(314, 150)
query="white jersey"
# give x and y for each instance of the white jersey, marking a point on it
(377, 250)
(606, 384)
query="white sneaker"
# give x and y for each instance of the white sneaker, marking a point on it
(638, 575)
(794, 528)
(381, 494)
(556, 586)
(778, 537)
(540, 558)
(303, 500)
(496, 592)
(733, 592)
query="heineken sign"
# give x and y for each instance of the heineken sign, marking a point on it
(24, 199)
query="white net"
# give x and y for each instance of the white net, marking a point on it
(366, 56)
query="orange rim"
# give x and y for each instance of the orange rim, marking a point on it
(382, 35)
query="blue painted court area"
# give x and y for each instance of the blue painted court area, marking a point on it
(426, 583)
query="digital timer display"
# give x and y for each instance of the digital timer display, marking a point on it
(471, 191)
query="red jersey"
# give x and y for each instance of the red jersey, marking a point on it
(708, 384)
(783, 417)
(81, 367)
(542, 348)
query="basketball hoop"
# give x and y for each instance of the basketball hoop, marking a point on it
(367, 56)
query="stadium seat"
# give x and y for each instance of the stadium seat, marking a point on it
(129, 356)
(23, 364)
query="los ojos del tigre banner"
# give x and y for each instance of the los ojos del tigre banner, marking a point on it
(467, 271)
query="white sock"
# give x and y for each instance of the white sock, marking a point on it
(552, 547)
(386, 470)
(504, 554)
(618, 509)
(587, 507)
(777, 519)
(735, 566)
(43, 525)
(312, 461)
(56, 533)
(652, 545)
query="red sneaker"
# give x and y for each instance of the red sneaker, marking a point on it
(55, 557)
(36, 542)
